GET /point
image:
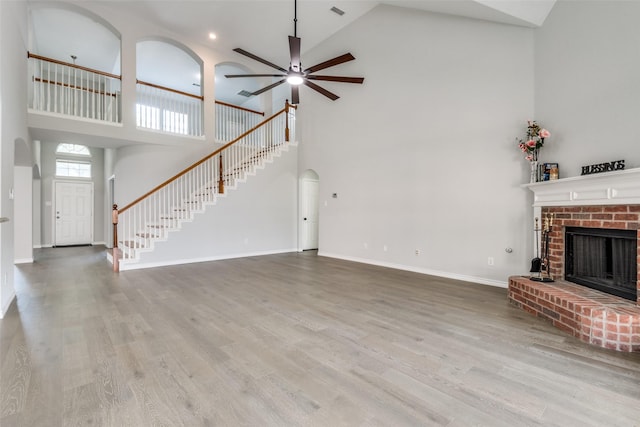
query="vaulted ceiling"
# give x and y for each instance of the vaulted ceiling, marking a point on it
(259, 26)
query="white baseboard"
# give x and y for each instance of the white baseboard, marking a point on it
(5, 308)
(124, 266)
(437, 273)
(23, 261)
(37, 246)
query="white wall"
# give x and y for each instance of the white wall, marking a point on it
(13, 126)
(422, 155)
(259, 217)
(588, 83)
(22, 220)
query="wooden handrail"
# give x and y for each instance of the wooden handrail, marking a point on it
(99, 92)
(68, 64)
(179, 92)
(240, 108)
(199, 162)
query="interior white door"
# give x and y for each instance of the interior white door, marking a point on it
(74, 213)
(309, 211)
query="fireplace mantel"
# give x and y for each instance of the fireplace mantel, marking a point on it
(608, 188)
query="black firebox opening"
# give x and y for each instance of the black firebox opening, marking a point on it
(602, 259)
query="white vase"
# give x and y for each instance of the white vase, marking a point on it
(534, 171)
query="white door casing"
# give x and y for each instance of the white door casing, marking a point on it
(73, 213)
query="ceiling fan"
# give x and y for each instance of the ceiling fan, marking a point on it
(296, 75)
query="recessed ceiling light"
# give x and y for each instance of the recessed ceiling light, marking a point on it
(212, 36)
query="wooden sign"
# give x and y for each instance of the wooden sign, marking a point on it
(616, 165)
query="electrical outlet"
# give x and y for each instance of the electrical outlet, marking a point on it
(417, 251)
(490, 260)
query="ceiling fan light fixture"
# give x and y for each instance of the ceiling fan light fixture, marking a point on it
(295, 79)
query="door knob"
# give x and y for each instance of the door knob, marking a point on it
(305, 219)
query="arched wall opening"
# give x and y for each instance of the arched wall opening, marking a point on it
(169, 88)
(49, 37)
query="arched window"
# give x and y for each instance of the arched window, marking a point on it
(75, 149)
(73, 160)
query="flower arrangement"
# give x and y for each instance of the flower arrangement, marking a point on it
(534, 141)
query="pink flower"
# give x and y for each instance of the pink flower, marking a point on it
(529, 157)
(531, 143)
(544, 133)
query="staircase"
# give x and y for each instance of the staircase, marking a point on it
(154, 216)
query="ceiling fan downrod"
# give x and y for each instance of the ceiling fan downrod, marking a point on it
(295, 18)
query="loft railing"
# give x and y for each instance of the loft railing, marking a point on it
(232, 121)
(168, 110)
(152, 215)
(63, 88)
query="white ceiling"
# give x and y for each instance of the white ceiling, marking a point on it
(259, 26)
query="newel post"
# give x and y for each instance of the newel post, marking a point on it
(221, 179)
(116, 252)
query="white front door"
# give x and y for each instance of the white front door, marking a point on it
(309, 211)
(73, 213)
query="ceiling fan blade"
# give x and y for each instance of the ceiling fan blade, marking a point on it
(294, 51)
(257, 58)
(337, 79)
(323, 91)
(233, 76)
(295, 95)
(266, 88)
(331, 63)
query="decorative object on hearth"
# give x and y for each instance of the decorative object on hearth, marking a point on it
(531, 146)
(616, 165)
(536, 263)
(544, 274)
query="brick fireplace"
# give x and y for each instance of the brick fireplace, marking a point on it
(603, 201)
(619, 217)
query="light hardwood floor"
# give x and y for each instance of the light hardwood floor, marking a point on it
(291, 340)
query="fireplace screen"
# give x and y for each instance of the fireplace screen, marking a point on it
(602, 259)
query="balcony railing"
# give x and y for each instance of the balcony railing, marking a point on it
(232, 121)
(63, 88)
(67, 89)
(168, 110)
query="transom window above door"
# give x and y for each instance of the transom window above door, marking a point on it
(74, 149)
(69, 163)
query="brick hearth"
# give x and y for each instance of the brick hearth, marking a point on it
(590, 315)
